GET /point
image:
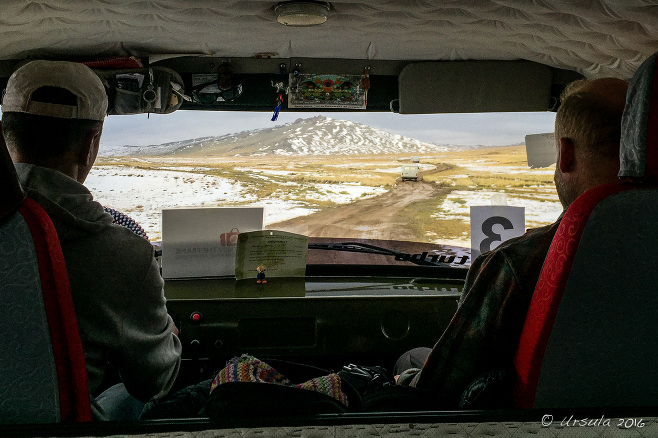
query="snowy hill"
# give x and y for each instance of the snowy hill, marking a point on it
(314, 136)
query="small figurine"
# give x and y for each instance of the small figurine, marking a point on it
(260, 277)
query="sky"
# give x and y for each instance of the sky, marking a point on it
(491, 129)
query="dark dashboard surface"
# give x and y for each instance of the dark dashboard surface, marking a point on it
(310, 287)
(335, 313)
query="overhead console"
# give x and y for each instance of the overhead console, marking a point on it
(398, 86)
(262, 81)
(255, 84)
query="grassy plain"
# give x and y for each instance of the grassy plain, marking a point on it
(472, 177)
(468, 177)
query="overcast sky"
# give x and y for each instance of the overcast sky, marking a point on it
(497, 129)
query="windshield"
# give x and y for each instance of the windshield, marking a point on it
(339, 175)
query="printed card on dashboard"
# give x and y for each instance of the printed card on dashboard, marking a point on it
(270, 253)
(201, 242)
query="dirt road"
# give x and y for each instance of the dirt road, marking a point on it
(374, 218)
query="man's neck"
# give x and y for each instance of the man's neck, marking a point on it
(64, 165)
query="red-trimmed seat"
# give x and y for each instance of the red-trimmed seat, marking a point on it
(590, 338)
(43, 376)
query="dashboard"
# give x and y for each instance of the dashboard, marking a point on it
(333, 316)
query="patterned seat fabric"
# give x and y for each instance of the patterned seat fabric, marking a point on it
(43, 376)
(590, 338)
(11, 194)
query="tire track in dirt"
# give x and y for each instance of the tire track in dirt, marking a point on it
(379, 217)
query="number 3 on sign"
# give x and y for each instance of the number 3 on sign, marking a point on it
(491, 225)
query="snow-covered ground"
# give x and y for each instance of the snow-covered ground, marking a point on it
(142, 194)
(457, 205)
(486, 167)
(542, 206)
(398, 168)
(343, 193)
(277, 210)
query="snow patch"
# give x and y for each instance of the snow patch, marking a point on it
(541, 211)
(142, 194)
(343, 193)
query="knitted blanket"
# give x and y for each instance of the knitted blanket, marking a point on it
(249, 369)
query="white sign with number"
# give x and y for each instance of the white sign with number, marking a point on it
(491, 225)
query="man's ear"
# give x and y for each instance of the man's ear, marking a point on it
(88, 147)
(2, 135)
(566, 155)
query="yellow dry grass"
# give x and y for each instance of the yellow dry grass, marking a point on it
(502, 169)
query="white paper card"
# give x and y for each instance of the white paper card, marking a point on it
(201, 242)
(491, 225)
(540, 150)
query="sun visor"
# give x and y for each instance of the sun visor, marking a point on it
(475, 86)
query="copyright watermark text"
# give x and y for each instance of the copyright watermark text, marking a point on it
(573, 421)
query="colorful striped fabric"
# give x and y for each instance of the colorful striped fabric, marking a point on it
(249, 369)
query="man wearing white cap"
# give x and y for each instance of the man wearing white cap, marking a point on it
(52, 118)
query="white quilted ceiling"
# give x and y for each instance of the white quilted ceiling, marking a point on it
(593, 37)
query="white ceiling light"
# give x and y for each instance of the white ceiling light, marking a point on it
(302, 13)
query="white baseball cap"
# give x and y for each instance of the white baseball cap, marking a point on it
(71, 76)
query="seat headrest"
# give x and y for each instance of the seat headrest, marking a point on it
(11, 193)
(639, 125)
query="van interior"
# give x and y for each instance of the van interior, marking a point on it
(360, 300)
